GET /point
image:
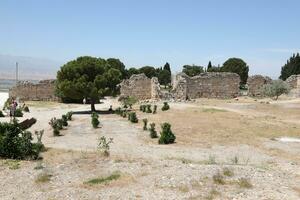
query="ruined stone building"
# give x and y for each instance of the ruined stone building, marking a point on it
(206, 85)
(294, 82)
(255, 84)
(140, 87)
(42, 91)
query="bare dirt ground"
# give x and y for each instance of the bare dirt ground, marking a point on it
(234, 139)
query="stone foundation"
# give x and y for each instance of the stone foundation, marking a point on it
(255, 84)
(294, 83)
(42, 91)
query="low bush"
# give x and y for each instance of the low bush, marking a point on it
(145, 121)
(118, 111)
(148, 108)
(144, 108)
(218, 179)
(166, 135)
(94, 114)
(18, 112)
(154, 109)
(64, 119)
(244, 183)
(104, 145)
(141, 107)
(56, 125)
(275, 89)
(165, 106)
(133, 118)
(95, 122)
(15, 143)
(69, 115)
(153, 133)
(1, 114)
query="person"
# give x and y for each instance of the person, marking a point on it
(12, 109)
(110, 108)
(84, 101)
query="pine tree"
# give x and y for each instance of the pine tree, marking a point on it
(167, 67)
(209, 66)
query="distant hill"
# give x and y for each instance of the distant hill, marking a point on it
(29, 67)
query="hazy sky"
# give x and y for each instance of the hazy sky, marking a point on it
(264, 33)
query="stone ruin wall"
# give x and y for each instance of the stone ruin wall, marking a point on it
(255, 84)
(42, 91)
(207, 85)
(294, 82)
(140, 87)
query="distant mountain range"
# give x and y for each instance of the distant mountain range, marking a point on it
(29, 67)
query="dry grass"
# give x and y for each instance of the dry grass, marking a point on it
(104, 180)
(218, 178)
(244, 183)
(228, 172)
(43, 177)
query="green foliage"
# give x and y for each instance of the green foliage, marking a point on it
(145, 121)
(148, 108)
(154, 109)
(95, 121)
(192, 70)
(166, 135)
(129, 101)
(291, 67)
(167, 67)
(64, 120)
(104, 180)
(15, 143)
(148, 71)
(1, 114)
(218, 178)
(275, 89)
(88, 77)
(237, 65)
(164, 77)
(69, 115)
(209, 66)
(165, 106)
(56, 132)
(144, 108)
(104, 145)
(153, 133)
(18, 112)
(56, 125)
(132, 117)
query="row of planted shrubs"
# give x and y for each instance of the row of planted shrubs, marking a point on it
(58, 124)
(166, 134)
(148, 108)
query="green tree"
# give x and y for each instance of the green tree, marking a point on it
(164, 77)
(132, 71)
(192, 70)
(87, 77)
(237, 65)
(116, 64)
(209, 66)
(291, 67)
(275, 89)
(148, 71)
(167, 67)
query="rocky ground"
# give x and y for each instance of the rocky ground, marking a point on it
(225, 149)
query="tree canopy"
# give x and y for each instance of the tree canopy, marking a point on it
(148, 71)
(88, 77)
(209, 66)
(192, 70)
(164, 77)
(237, 65)
(291, 67)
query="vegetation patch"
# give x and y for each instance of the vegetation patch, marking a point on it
(228, 172)
(213, 110)
(244, 183)
(12, 164)
(218, 178)
(104, 180)
(43, 177)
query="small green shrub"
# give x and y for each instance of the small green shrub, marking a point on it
(145, 121)
(228, 172)
(60, 124)
(218, 179)
(64, 119)
(94, 114)
(1, 114)
(118, 111)
(95, 122)
(275, 89)
(154, 109)
(165, 106)
(15, 143)
(141, 107)
(153, 133)
(56, 132)
(133, 118)
(144, 108)
(148, 108)
(244, 183)
(43, 177)
(69, 115)
(129, 101)
(166, 135)
(56, 125)
(104, 145)
(18, 112)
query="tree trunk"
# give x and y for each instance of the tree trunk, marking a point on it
(93, 105)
